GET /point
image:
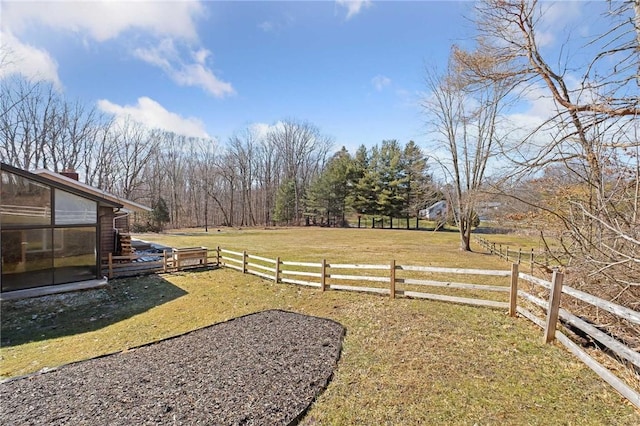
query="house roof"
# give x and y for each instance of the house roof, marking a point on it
(62, 185)
(125, 204)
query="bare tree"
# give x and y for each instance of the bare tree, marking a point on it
(303, 151)
(267, 177)
(592, 135)
(242, 148)
(464, 118)
(133, 145)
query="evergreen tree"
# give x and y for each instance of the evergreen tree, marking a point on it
(285, 209)
(160, 214)
(393, 180)
(328, 194)
(419, 188)
(366, 182)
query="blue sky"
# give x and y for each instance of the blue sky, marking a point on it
(355, 69)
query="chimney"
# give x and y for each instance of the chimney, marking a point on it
(70, 173)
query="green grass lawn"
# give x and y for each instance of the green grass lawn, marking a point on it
(404, 362)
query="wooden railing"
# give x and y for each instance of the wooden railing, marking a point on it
(168, 261)
(542, 258)
(330, 276)
(553, 311)
(321, 275)
(393, 280)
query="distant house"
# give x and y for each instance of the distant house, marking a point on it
(435, 212)
(55, 230)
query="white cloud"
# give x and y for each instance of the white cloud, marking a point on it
(380, 82)
(23, 59)
(167, 57)
(262, 130)
(155, 116)
(353, 6)
(104, 20)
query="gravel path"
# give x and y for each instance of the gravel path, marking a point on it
(262, 369)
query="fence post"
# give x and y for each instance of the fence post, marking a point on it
(392, 281)
(244, 262)
(519, 255)
(218, 256)
(164, 261)
(110, 265)
(554, 306)
(277, 276)
(532, 261)
(507, 252)
(513, 293)
(323, 275)
(493, 248)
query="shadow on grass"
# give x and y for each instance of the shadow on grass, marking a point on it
(58, 315)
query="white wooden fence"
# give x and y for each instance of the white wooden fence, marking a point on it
(330, 276)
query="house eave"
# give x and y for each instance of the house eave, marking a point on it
(127, 205)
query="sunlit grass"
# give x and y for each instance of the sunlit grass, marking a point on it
(404, 362)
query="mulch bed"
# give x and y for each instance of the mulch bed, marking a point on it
(261, 369)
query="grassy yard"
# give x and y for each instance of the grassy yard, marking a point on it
(404, 361)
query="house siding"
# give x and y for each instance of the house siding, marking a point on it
(107, 244)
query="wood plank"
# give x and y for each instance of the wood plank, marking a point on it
(299, 282)
(305, 264)
(535, 280)
(554, 306)
(531, 317)
(384, 291)
(614, 345)
(454, 299)
(465, 286)
(392, 279)
(358, 278)
(513, 290)
(235, 253)
(264, 259)
(231, 259)
(498, 273)
(357, 266)
(323, 275)
(533, 299)
(632, 396)
(301, 273)
(621, 311)
(259, 266)
(237, 268)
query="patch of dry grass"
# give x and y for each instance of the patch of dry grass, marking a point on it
(404, 361)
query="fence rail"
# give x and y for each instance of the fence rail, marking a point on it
(541, 258)
(319, 275)
(396, 279)
(167, 261)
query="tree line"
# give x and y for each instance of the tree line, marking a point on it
(574, 176)
(285, 175)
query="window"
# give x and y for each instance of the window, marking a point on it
(75, 260)
(41, 248)
(24, 202)
(26, 262)
(72, 209)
